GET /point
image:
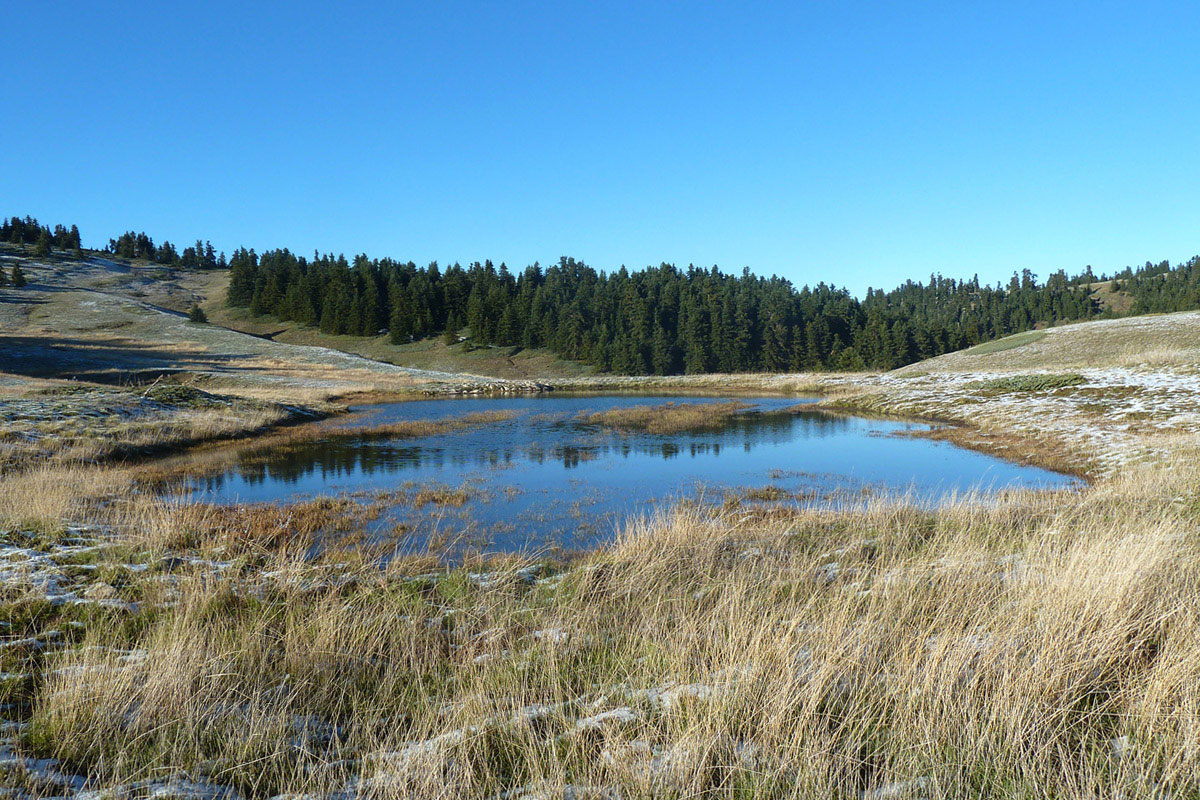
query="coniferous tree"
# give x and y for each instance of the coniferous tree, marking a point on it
(42, 247)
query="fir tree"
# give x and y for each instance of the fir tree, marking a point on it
(42, 247)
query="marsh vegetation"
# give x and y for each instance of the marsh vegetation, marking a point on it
(668, 417)
(558, 472)
(748, 643)
(963, 651)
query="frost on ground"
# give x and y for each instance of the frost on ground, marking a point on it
(1141, 381)
(1109, 419)
(94, 422)
(94, 319)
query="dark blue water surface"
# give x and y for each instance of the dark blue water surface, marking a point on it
(543, 480)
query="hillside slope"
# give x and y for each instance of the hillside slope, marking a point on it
(106, 321)
(1153, 340)
(1093, 397)
(510, 363)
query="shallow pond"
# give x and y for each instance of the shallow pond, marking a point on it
(547, 479)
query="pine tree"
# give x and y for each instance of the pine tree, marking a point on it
(18, 277)
(775, 348)
(42, 247)
(335, 316)
(197, 314)
(507, 331)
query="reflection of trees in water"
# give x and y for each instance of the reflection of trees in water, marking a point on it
(339, 458)
(330, 459)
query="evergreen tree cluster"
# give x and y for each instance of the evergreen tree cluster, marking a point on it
(661, 320)
(201, 255)
(28, 230)
(1159, 288)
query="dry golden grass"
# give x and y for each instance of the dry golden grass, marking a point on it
(251, 528)
(1022, 646)
(319, 396)
(1153, 340)
(300, 528)
(200, 426)
(1038, 645)
(666, 417)
(83, 439)
(46, 496)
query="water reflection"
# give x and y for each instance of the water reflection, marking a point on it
(544, 478)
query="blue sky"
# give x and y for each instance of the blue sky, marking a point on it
(859, 144)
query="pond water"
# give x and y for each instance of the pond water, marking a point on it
(544, 479)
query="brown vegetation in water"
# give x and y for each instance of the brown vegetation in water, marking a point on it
(666, 417)
(402, 429)
(405, 429)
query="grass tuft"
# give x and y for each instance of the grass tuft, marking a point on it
(665, 418)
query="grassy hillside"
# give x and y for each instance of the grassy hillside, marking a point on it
(1118, 301)
(1145, 341)
(115, 322)
(512, 363)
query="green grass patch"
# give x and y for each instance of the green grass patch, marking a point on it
(1027, 383)
(1007, 343)
(184, 396)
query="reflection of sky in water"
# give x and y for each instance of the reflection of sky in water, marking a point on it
(543, 479)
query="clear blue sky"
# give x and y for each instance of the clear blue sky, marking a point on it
(860, 144)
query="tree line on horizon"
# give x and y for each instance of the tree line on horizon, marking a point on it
(201, 255)
(665, 320)
(130, 245)
(27, 230)
(658, 320)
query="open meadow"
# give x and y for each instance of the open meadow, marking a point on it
(1019, 644)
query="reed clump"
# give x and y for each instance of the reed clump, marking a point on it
(404, 429)
(665, 418)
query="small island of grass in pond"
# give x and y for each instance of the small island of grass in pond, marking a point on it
(669, 417)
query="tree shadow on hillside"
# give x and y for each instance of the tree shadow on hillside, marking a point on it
(104, 362)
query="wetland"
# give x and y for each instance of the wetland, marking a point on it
(564, 472)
